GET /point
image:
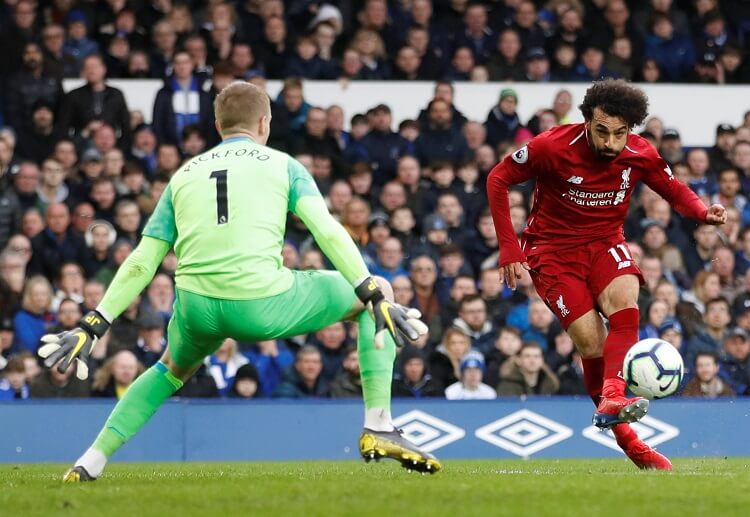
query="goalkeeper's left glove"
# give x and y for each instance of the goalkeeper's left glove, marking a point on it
(74, 344)
(389, 316)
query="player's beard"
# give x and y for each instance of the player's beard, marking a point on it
(601, 154)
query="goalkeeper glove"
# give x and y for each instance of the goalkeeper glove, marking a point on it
(389, 316)
(74, 344)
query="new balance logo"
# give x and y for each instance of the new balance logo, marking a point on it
(561, 307)
(576, 180)
(623, 264)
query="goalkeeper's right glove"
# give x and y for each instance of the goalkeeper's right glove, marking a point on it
(74, 344)
(389, 316)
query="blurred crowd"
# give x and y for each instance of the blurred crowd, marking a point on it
(80, 174)
(460, 40)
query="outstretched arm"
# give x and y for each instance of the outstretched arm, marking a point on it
(306, 201)
(133, 276)
(660, 178)
(515, 168)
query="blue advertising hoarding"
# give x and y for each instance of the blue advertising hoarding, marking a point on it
(194, 430)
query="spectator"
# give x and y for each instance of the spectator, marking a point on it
(13, 383)
(52, 188)
(271, 358)
(382, 147)
(707, 383)
(304, 379)
(12, 278)
(670, 331)
(25, 185)
(413, 379)
(22, 29)
(714, 331)
(69, 285)
(151, 342)
(527, 24)
(53, 384)
(541, 324)
(527, 374)
(331, 342)
(657, 312)
(35, 317)
(565, 361)
(58, 61)
(246, 383)
(471, 387)
(180, 103)
(347, 383)
(78, 44)
(314, 139)
(56, 244)
(537, 69)
(84, 108)
(306, 62)
(502, 121)
(293, 104)
(390, 260)
(472, 320)
(224, 364)
(118, 253)
(430, 57)
(423, 274)
(698, 257)
(440, 141)
(116, 375)
(735, 361)
(37, 141)
(507, 64)
(273, 49)
(29, 86)
(371, 49)
(445, 361)
(720, 154)
(99, 237)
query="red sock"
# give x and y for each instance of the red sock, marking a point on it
(624, 435)
(593, 377)
(623, 333)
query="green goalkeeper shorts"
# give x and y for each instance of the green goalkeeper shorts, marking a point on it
(200, 323)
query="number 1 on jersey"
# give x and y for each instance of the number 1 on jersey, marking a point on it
(222, 201)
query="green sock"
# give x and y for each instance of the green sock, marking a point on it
(143, 398)
(375, 366)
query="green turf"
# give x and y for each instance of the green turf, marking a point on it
(716, 487)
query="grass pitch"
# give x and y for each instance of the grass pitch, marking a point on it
(716, 487)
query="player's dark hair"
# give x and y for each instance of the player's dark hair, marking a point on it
(616, 98)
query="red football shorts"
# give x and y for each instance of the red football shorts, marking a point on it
(570, 280)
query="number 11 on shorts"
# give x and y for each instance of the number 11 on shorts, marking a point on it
(621, 263)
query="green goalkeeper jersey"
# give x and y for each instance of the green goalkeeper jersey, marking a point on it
(224, 211)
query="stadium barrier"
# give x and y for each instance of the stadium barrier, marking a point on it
(707, 105)
(196, 430)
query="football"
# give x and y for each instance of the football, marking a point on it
(653, 369)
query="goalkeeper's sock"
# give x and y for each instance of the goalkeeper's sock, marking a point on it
(143, 398)
(623, 333)
(376, 372)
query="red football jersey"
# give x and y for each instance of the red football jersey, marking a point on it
(579, 198)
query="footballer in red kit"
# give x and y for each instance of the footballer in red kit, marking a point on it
(574, 247)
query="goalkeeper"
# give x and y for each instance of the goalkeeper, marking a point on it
(224, 212)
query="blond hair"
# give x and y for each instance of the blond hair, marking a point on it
(30, 284)
(240, 106)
